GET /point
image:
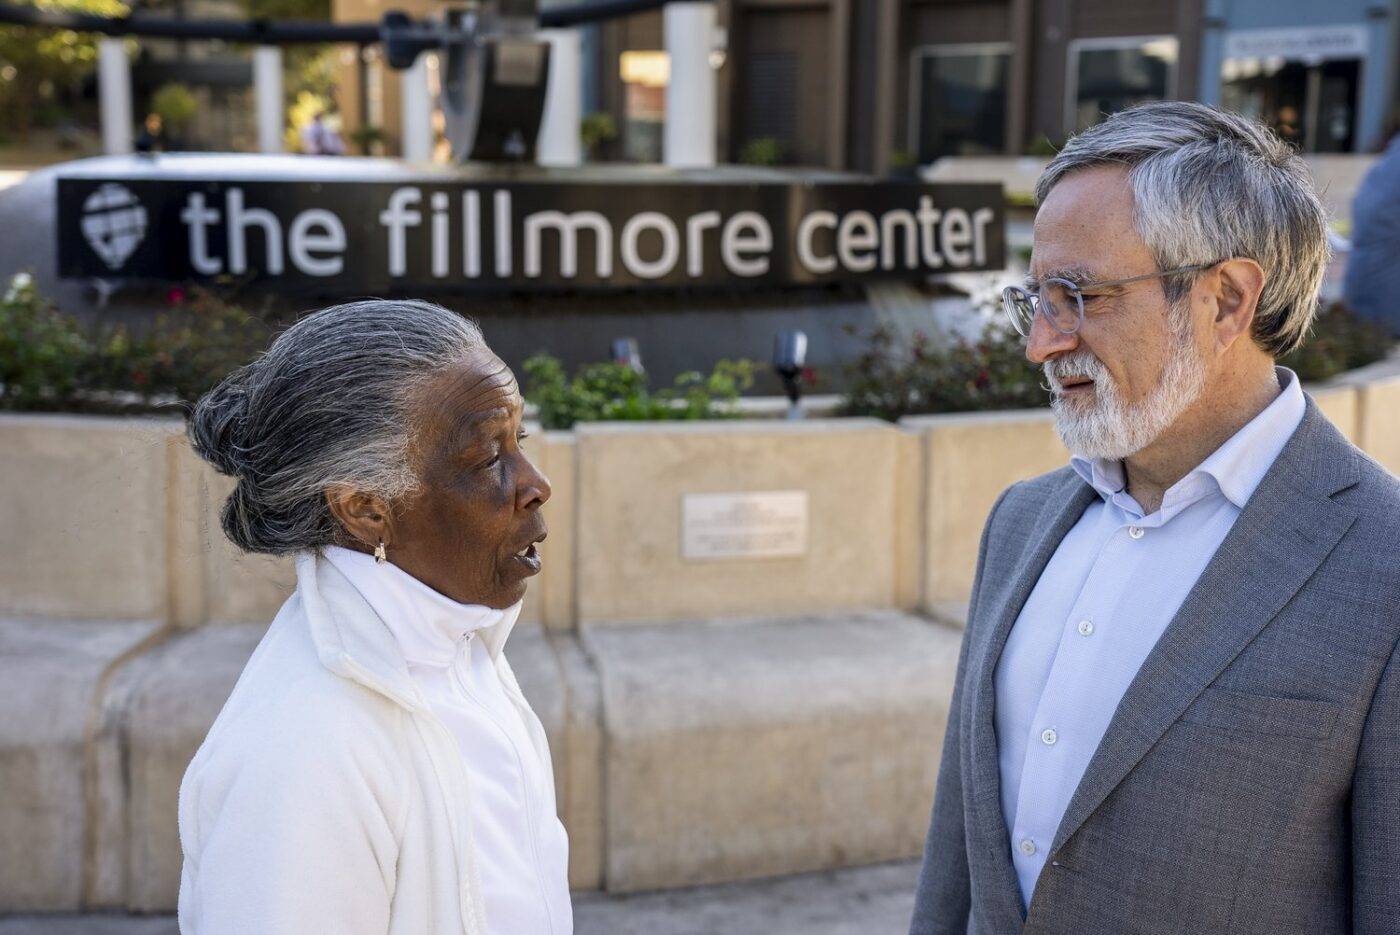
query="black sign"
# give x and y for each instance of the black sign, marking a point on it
(441, 236)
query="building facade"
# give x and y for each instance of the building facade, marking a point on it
(875, 84)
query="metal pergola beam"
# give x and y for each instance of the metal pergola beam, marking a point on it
(282, 32)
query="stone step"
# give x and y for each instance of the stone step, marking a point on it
(685, 753)
(861, 901)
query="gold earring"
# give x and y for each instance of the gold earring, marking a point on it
(380, 556)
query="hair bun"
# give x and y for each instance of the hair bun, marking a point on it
(215, 427)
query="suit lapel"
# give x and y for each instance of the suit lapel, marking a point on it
(1060, 511)
(1286, 530)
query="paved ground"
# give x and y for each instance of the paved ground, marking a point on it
(867, 901)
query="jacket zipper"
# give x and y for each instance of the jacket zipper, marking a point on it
(463, 648)
(473, 914)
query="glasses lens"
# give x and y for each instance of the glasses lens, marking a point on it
(1062, 304)
(1019, 308)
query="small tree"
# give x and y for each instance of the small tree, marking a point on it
(176, 105)
(47, 58)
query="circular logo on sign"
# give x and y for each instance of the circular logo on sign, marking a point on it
(114, 223)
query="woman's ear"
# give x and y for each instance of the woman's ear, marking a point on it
(364, 516)
(1240, 283)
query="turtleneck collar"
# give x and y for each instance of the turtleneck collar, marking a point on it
(427, 625)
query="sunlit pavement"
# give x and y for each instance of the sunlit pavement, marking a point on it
(866, 901)
(10, 177)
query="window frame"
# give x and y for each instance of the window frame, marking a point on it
(1076, 46)
(916, 89)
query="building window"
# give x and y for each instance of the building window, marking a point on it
(1304, 83)
(645, 75)
(957, 100)
(770, 107)
(1109, 75)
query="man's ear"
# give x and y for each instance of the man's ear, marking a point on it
(364, 516)
(1239, 283)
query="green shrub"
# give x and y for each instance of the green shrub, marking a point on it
(365, 137)
(176, 105)
(50, 362)
(609, 392)
(42, 352)
(596, 130)
(1340, 341)
(764, 151)
(893, 377)
(182, 355)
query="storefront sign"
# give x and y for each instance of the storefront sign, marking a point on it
(442, 236)
(744, 525)
(1305, 43)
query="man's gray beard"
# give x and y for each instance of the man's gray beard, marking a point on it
(1109, 427)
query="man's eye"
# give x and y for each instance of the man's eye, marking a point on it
(1090, 298)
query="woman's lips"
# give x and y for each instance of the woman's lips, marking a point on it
(528, 559)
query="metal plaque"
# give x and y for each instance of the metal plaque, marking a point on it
(772, 524)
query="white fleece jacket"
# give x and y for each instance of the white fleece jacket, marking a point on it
(327, 797)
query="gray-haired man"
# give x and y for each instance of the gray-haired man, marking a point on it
(1177, 708)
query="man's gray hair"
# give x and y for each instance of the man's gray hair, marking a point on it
(1210, 185)
(327, 404)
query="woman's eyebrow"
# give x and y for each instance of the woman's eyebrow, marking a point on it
(472, 428)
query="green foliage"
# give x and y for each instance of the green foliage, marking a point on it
(1043, 146)
(609, 392)
(1340, 341)
(365, 136)
(41, 351)
(764, 151)
(893, 378)
(176, 105)
(597, 129)
(45, 60)
(287, 9)
(903, 159)
(50, 362)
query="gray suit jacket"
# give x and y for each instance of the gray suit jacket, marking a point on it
(1249, 781)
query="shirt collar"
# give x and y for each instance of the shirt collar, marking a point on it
(1236, 467)
(428, 626)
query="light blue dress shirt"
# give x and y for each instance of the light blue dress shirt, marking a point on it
(1106, 596)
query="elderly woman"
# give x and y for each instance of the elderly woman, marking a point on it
(377, 768)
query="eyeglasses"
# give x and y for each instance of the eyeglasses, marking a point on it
(1062, 301)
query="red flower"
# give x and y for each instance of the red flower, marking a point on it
(139, 377)
(176, 296)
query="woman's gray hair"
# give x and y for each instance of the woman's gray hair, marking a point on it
(1210, 185)
(327, 404)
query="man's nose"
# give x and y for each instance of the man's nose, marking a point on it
(1047, 341)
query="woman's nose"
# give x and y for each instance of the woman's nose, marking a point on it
(533, 490)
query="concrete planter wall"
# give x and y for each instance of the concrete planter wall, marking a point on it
(709, 720)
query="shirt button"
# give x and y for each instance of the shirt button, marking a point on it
(1048, 736)
(1086, 628)
(1028, 847)
(1136, 531)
